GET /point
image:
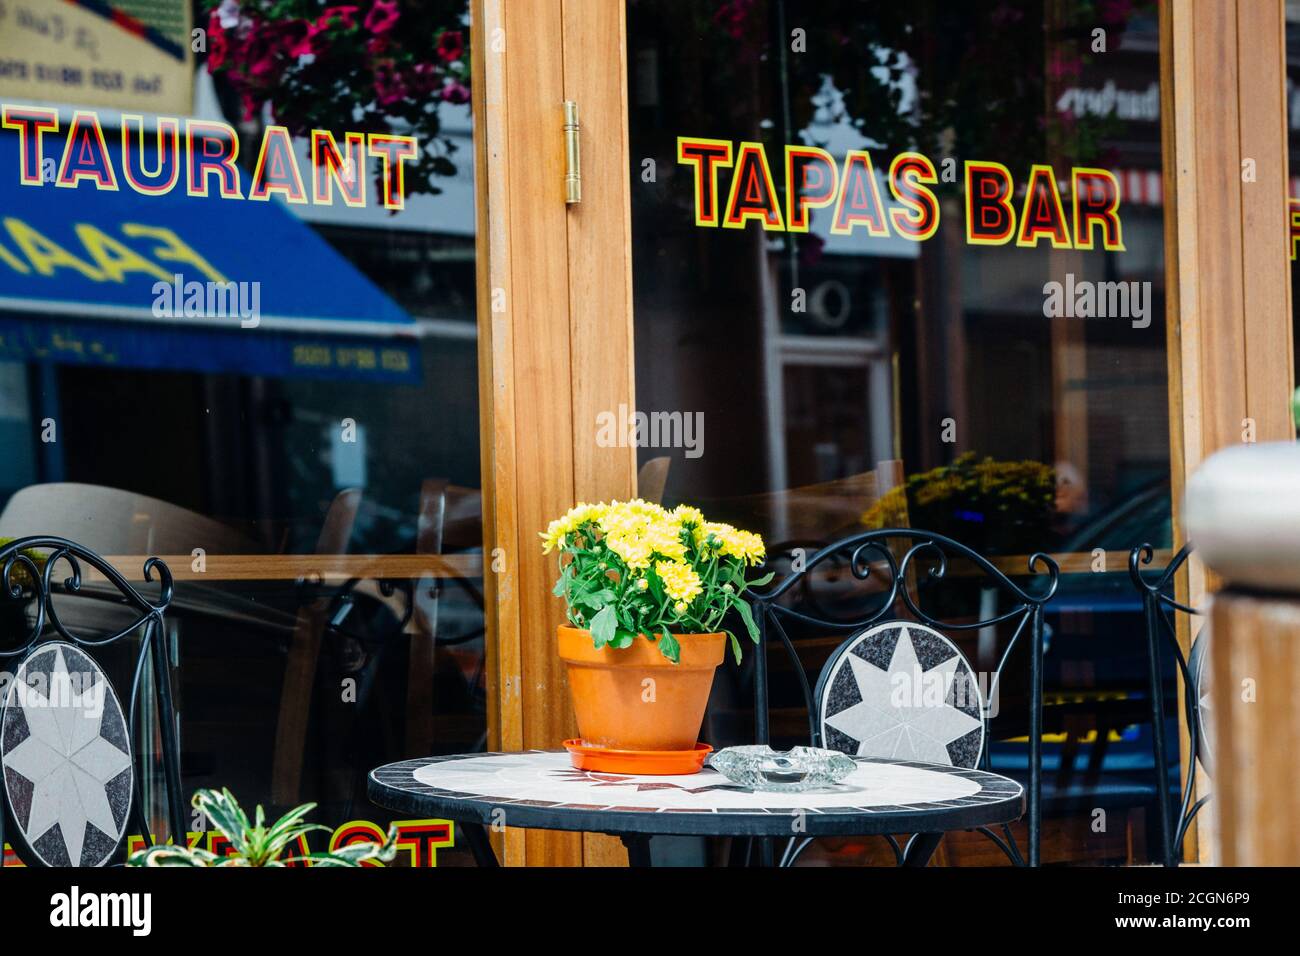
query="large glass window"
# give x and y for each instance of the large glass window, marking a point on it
(907, 262)
(237, 329)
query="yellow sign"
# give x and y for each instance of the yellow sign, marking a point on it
(815, 179)
(98, 53)
(209, 151)
(418, 842)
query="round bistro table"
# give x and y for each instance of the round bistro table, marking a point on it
(540, 789)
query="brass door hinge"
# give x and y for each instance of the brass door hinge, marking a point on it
(572, 154)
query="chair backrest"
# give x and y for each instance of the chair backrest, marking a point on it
(879, 645)
(1160, 610)
(73, 780)
(653, 478)
(113, 521)
(901, 690)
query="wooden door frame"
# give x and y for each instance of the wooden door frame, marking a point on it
(555, 345)
(1228, 302)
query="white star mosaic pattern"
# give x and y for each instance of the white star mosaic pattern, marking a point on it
(66, 757)
(903, 691)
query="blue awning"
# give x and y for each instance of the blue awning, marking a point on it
(80, 270)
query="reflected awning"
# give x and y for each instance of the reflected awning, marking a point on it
(80, 270)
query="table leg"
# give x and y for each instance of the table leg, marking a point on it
(740, 851)
(479, 844)
(920, 848)
(638, 849)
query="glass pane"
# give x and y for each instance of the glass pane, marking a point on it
(919, 247)
(237, 329)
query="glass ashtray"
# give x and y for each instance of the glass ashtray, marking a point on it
(759, 767)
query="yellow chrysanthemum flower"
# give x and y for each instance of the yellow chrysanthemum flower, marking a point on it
(729, 541)
(619, 521)
(681, 583)
(705, 530)
(686, 516)
(665, 540)
(632, 549)
(577, 516)
(744, 545)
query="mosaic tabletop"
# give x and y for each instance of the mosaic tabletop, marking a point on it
(542, 789)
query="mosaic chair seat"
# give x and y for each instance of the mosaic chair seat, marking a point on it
(73, 773)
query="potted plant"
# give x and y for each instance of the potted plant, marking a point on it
(256, 844)
(1004, 507)
(647, 591)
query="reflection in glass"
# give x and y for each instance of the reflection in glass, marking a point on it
(908, 262)
(312, 468)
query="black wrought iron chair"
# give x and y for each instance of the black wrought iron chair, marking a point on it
(73, 780)
(1159, 609)
(873, 633)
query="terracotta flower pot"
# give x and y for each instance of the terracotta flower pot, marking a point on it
(617, 708)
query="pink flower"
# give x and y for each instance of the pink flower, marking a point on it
(451, 46)
(271, 49)
(390, 88)
(250, 105)
(309, 44)
(455, 92)
(219, 45)
(424, 77)
(382, 17)
(732, 15)
(347, 17)
(316, 40)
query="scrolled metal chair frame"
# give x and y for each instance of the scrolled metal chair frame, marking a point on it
(1026, 612)
(1158, 609)
(41, 589)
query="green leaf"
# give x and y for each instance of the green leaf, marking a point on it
(622, 639)
(354, 854)
(603, 626)
(596, 599)
(227, 816)
(735, 646)
(168, 855)
(741, 605)
(759, 582)
(669, 647)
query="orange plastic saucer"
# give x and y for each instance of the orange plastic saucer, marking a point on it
(667, 763)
